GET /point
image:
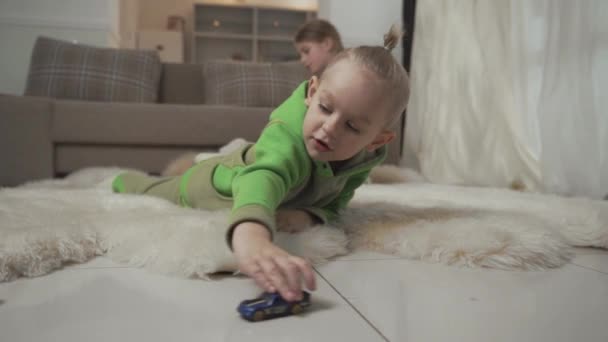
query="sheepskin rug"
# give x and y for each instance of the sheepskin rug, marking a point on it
(47, 224)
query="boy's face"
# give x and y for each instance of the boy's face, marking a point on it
(346, 113)
(315, 56)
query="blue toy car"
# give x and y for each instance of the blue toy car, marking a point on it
(271, 305)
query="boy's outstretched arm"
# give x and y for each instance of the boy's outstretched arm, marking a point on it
(295, 220)
(272, 268)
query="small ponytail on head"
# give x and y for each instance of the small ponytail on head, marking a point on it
(391, 38)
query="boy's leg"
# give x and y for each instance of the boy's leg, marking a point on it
(137, 183)
(168, 188)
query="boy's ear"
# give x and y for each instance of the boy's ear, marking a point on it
(327, 43)
(313, 86)
(381, 139)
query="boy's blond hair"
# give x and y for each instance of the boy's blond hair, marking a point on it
(380, 61)
(318, 30)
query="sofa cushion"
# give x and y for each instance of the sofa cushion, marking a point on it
(251, 84)
(182, 83)
(65, 70)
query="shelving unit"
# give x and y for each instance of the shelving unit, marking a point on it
(245, 32)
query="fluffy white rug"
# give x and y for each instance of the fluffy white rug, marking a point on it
(47, 224)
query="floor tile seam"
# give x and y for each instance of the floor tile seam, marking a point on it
(335, 289)
(573, 263)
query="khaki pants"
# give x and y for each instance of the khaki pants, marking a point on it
(137, 183)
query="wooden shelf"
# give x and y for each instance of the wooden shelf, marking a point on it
(253, 33)
(299, 6)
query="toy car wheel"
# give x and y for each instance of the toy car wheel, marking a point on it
(296, 309)
(258, 316)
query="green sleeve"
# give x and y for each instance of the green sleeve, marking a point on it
(281, 163)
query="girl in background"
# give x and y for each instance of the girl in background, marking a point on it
(317, 42)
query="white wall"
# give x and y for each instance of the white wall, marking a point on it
(21, 21)
(363, 22)
(128, 23)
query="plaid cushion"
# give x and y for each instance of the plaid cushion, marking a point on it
(72, 71)
(251, 84)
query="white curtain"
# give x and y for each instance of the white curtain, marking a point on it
(511, 93)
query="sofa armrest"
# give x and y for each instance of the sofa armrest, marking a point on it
(26, 151)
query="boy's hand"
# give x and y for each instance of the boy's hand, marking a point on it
(272, 268)
(293, 220)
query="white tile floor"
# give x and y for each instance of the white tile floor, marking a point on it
(361, 297)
